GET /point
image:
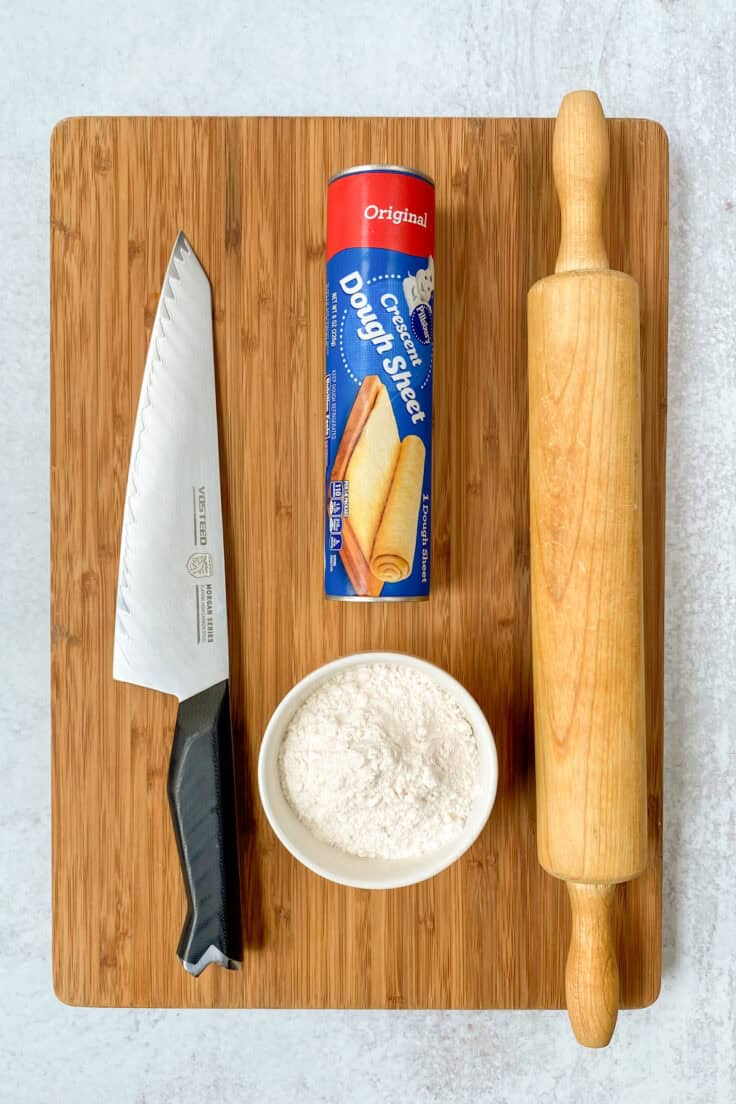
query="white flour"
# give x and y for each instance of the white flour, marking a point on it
(381, 762)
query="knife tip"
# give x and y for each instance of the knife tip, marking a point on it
(181, 245)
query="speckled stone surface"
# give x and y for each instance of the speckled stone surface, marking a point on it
(670, 60)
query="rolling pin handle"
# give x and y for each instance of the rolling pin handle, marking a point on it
(591, 974)
(580, 163)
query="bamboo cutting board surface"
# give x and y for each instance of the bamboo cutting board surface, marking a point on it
(492, 931)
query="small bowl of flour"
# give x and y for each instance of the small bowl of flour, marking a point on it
(378, 770)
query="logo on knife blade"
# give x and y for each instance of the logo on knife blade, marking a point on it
(199, 565)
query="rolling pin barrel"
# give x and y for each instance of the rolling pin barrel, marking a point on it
(586, 570)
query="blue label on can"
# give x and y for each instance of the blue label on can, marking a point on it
(378, 421)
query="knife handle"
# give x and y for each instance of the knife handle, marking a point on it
(201, 788)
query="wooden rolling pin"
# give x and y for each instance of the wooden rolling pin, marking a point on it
(586, 570)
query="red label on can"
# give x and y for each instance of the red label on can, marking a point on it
(381, 210)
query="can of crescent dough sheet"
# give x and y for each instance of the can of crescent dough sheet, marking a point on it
(378, 384)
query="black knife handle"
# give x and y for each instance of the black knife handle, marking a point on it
(201, 789)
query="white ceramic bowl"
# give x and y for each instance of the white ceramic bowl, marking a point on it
(351, 870)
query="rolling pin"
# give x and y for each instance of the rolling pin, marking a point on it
(586, 570)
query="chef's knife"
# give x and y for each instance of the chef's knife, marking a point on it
(171, 619)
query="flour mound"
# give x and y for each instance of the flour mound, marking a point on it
(380, 762)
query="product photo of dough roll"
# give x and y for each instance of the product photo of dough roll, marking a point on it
(371, 470)
(392, 558)
(384, 477)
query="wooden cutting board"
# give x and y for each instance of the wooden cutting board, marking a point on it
(492, 931)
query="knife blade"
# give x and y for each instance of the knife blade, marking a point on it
(171, 615)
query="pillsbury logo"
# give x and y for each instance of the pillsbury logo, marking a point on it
(421, 323)
(418, 292)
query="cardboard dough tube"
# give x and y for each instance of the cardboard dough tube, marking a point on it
(393, 550)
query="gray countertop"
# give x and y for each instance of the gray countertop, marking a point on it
(668, 60)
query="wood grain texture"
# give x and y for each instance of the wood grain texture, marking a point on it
(492, 930)
(586, 561)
